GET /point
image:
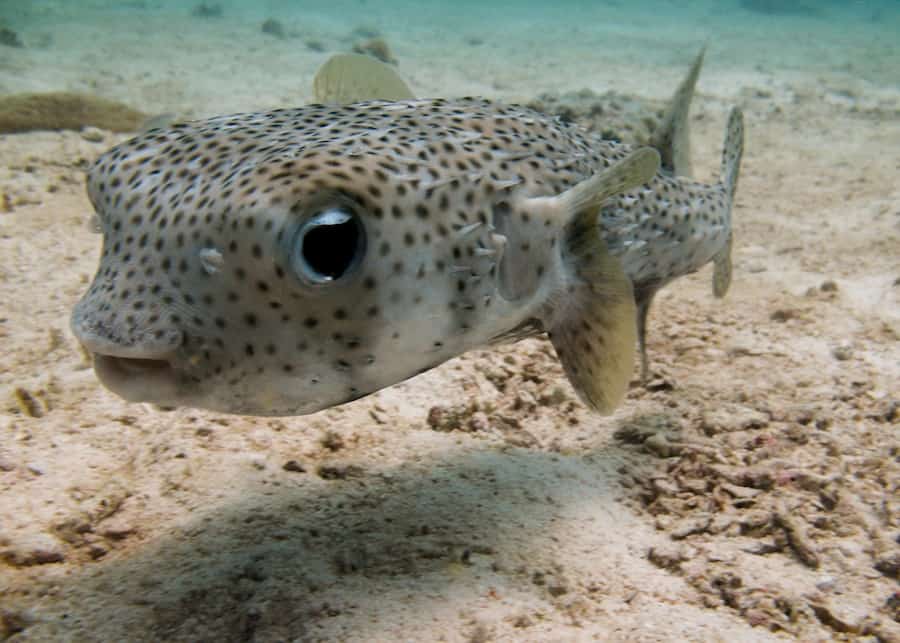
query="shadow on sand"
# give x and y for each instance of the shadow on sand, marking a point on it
(348, 558)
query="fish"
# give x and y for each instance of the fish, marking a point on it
(279, 263)
(678, 227)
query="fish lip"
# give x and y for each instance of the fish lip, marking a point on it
(140, 379)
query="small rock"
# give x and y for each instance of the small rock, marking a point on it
(39, 549)
(720, 523)
(689, 344)
(207, 10)
(739, 492)
(28, 404)
(36, 468)
(889, 412)
(667, 557)
(799, 542)
(783, 314)
(92, 134)
(97, 551)
(691, 526)
(274, 27)
(664, 487)
(842, 353)
(838, 618)
(889, 564)
(522, 621)
(804, 414)
(377, 48)
(826, 584)
(557, 590)
(117, 528)
(14, 622)
(332, 441)
(6, 464)
(742, 347)
(479, 422)
(828, 286)
(659, 446)
(293, 466)
(340, 472)
(10, 38)
(737, 418)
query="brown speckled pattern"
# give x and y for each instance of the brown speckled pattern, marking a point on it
(200, 222)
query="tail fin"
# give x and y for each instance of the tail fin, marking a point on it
(731, 168)
(734, 150)
(672, 138)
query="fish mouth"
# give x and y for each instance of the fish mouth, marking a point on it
(140, 379)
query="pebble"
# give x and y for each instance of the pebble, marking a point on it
(274, 27)
(92, 135)
(842, 353)
(38, 549)
(889, 565)
(117, 528)
(667, 557)
(737, 418)
(293, 466)
(36, 468)
(826, 584)
(659, 446)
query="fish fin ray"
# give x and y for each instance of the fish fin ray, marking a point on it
(592, 320)
(634, 170)
(352, 78)
(731, 169)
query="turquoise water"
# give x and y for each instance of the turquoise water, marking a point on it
(170, 55)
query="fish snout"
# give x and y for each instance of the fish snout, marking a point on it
(106, 337)
(135, 363)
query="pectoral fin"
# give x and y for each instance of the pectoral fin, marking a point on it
(592, 323)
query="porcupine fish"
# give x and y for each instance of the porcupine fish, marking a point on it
(283, 262)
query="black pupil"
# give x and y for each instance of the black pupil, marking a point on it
(329, 249)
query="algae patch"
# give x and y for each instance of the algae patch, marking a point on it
(65, 110)
(10, 38)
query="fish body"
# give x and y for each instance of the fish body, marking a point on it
(283, 262)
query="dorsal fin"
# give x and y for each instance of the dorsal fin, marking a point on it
(351, 78)
(672, 138)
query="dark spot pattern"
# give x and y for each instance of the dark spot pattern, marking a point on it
(199, 218)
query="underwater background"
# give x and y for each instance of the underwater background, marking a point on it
(748, 493)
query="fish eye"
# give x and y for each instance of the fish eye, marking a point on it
(328, 246)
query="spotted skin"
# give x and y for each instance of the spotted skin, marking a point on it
(198, 302)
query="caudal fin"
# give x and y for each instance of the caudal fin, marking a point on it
(731, 169)
(672, 138)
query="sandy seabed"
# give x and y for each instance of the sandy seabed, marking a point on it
(749, 494)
